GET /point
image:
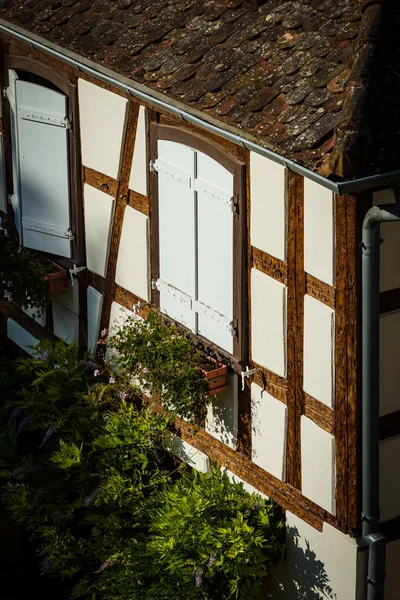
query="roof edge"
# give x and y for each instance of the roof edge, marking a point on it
(353, 135)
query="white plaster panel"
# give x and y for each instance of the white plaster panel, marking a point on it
(99, 211)
(389, 481)
(140, 168)
(389, 349)
(133, 272)
(392, 571)
(318, 469)
(102, 116)
(318, 565)
(3, 191)
(268, 419)
(41, 319)
(94, 308)
(319, 338)
(268, 206)
(319, 235)
(119, 315)
(21, 337)
(185, 452)
(70, 298)
(390, 249)
(222, 414)
(233, 478)
(65, 323)
(268, 322)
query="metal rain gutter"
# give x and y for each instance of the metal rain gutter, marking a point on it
(73, 59)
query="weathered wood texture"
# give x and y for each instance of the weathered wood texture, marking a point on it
(322, 415)
(104, 183)
(295, 325)
(274, 267)
(320, 291)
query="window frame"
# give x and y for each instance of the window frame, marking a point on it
(239, 284)
(19, 63)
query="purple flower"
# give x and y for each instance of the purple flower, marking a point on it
(49, 432)
(145, 370)
(14, 414)
(96, 373)
(198, 578)
(104, 332)
(122, 395)
(17, 472)
(46, 565)
(45, 354)
(8, 295)
(211, 561)
(23, 424)
(106, 565)
(92, 496)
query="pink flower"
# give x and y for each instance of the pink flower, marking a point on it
(115, 352)
(96, 373)
(104, 332)
(111, 380)
(122, 395)
(145, 370)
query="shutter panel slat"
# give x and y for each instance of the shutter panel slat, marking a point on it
(15, 196)
(43, 168)
(214, 251)
(176, 227)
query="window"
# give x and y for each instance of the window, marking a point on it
(199, 231)
(41, 163)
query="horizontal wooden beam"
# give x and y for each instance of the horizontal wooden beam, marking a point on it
(102, 182)
(139, 202)
(320, 290)
(322, 415)
(274, 267)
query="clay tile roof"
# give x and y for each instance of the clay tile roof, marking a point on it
(300, 77)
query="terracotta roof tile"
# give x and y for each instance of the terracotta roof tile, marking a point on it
(282, 73)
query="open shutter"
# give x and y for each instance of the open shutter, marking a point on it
(175, 167)
(214, 298)
(43, 168)
(15, 196)
(3, 195)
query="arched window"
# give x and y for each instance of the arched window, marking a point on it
(198, 233)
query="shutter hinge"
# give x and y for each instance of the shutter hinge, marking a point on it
(235, 204)
(154, 285)
(71, 235)
(67, 124)
(153, 167)
(234, 329)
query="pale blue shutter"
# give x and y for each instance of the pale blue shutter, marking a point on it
(15, 196)
(3, 195)
(213, 303)
(175, 167)
(43, 168)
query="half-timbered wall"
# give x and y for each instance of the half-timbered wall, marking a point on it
(291, 433)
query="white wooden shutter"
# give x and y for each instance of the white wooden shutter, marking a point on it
(175, 166)
(43, 168)
(214, 298)
(3, 195)
(15, 196)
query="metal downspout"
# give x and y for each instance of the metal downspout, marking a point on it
(370, 395)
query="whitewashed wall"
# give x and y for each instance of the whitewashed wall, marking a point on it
(390, 249)
(186, 452)
(268, 322)
(269, 421)
(138, 179)
(133, 264)
(222, 414)
(319, 344)
(102, 116)
(318, 565)
(99, 210)
(268, 210)
(389, 351)
(319, 232)
(66, 314)
(389, 480)
(21, 337)
(318, 465)
(94, 308)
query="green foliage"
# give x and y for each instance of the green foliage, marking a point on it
(164, 363)
(22, 275)
(86, 474)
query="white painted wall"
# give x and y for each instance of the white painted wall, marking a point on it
(66, 313)
(94, 308)
(99, 211)
(140, 167)
(118, 317)
(268, 322)
(319, 344)
(41, 319)
(21, 337)
(318, 465)
(318, 565)
(319, 234)
(268, 211)
(222, 414)
(133, 264)
(102, 116)
(389, 480)
(389, 350)
(392, 571)
(390, 249)
(269, 420)
(184, 451)
(236, 479)
(3, 194)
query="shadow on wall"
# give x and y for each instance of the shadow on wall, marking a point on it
(301, 577)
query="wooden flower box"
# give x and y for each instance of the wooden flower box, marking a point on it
(215, 373)
(57, 277)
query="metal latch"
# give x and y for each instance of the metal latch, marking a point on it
(153, 166)
(75, 271)
(247, 374)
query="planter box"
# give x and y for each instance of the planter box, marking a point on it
(57, 277)
(215, 373)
